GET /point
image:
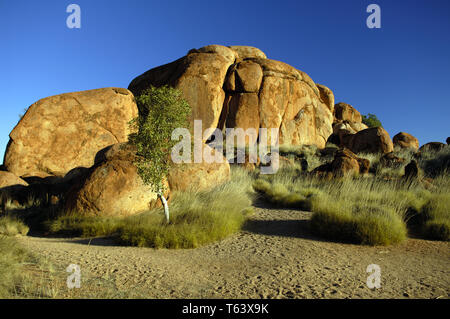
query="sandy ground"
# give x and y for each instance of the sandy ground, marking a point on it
(274, 257)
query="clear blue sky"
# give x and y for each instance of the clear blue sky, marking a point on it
(399, 72)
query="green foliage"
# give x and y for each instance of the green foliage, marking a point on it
(371, 120)
(198, 217)
(161, 110)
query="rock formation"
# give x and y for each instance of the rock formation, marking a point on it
(344, 163)
(238, 86)
(405, 140)
(432, 147)
(371, 140)
(8, 179)
(112, 186)
(63, 132)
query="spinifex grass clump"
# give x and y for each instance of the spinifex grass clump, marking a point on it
(365, 224)
(360, 210)
(197, 218)
(11, 226)
(11, 258)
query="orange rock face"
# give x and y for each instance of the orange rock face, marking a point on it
(346, 112)
(112, 188)
(200, 76)
(198, 176)
(371, 140)
(287, 99)
(405, 140)
(9, 179)
(66, 131)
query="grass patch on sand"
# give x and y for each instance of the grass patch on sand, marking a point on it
(24, 275)
(363, 210)
(197, 218)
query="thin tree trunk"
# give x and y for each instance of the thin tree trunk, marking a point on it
(166, 207)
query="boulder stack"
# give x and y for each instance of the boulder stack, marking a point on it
(239, 87)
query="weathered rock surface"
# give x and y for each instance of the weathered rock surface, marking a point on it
(432, 147)
(112, 188)
(371, 140)
(245, 52)
(344, 163)
(327, 96)
(9, 179)
(244, 77)
(405, 140)
(199, 176)
(287, 98)
(62, 132)
(391, 160)
(200, 76)
(412, 170)
(243, 112)
(346, 112)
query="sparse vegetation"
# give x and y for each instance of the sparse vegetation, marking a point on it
(11, 226)
(198, 217)
(373, 210)
(371, 120)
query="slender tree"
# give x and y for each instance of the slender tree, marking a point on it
(161, 110)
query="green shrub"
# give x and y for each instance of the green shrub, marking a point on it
(198, 218)
(371, 120)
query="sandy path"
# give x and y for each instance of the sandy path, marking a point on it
(275, 257)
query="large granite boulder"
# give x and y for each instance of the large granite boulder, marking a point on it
(432, 147)
(63, 132)
(280, 96)
(405, 140)
(200, 75)
(344, 163)
(112, 188)
(346, 112)
(371, 140)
